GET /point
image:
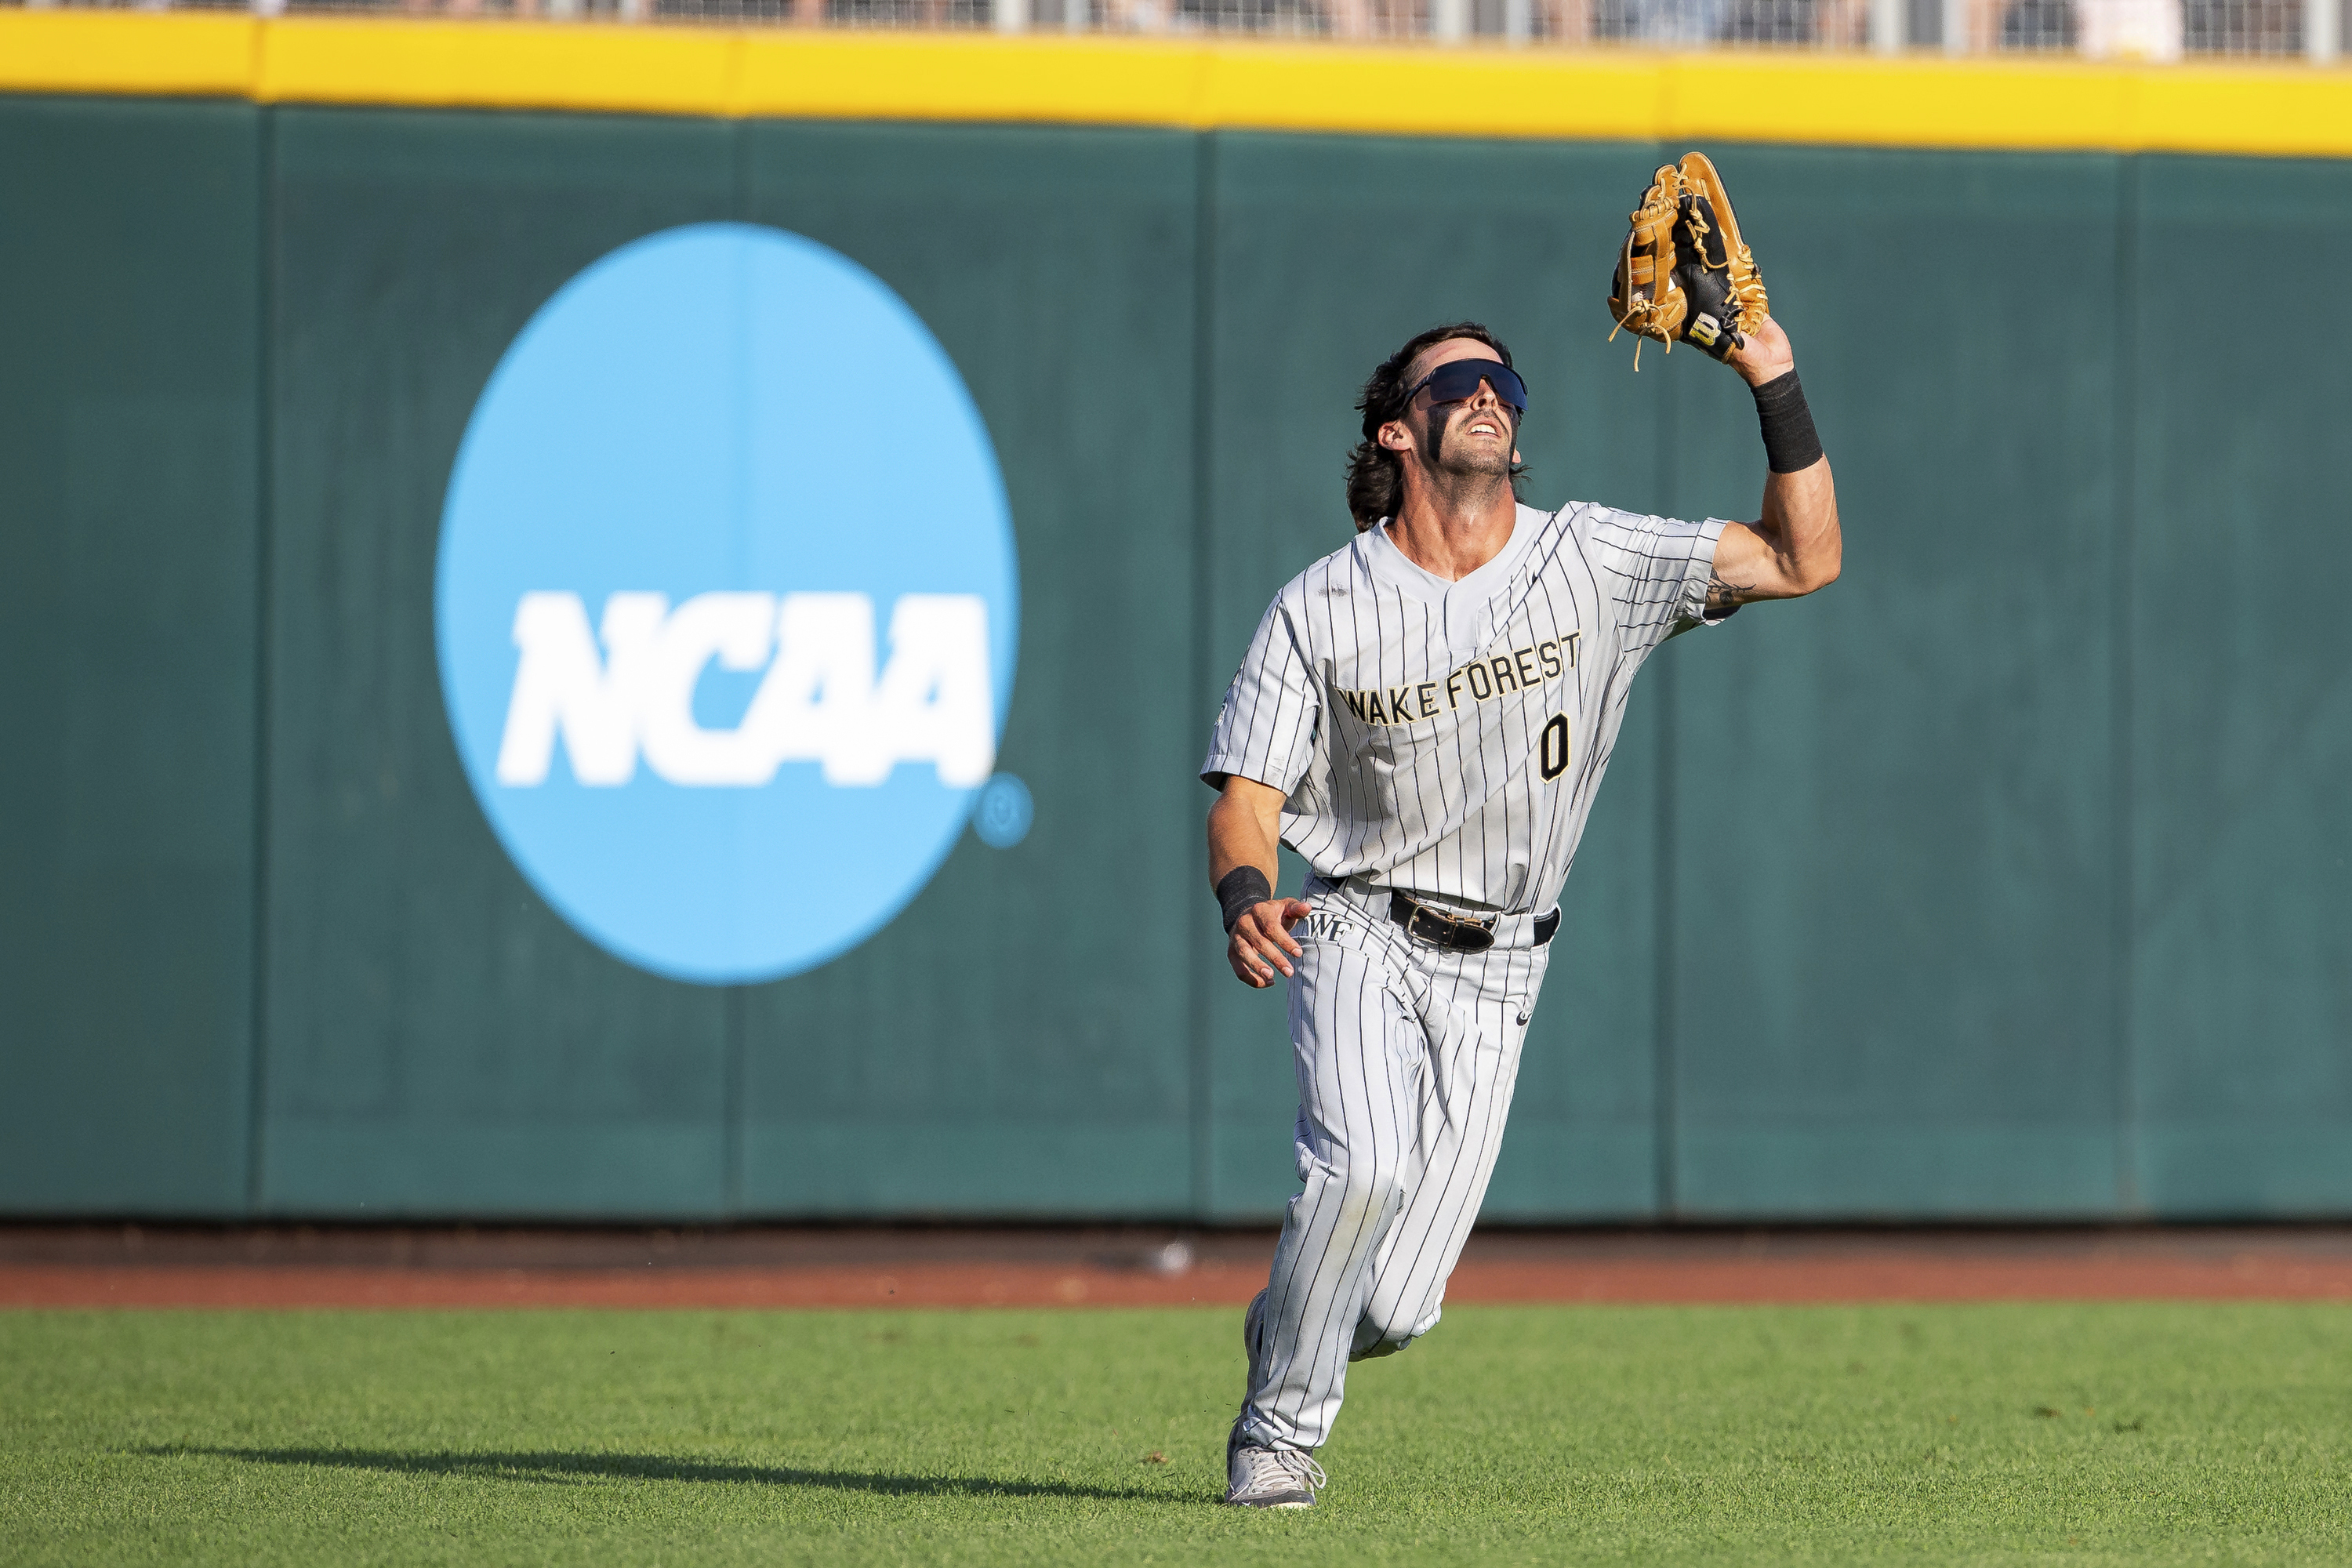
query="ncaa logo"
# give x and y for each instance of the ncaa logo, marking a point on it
(727, 602)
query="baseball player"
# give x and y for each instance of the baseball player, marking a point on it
(1425, 716)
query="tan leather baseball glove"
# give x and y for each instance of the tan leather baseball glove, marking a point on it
(1685, 274)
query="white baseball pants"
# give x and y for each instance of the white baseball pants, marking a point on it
(1406, 1056)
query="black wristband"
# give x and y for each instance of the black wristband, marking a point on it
(1789, 443)
(1244, 888)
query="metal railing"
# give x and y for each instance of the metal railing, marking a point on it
(2153, 30)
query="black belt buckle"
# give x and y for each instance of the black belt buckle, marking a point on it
(1452, 932)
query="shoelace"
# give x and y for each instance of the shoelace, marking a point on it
(1287, 1463)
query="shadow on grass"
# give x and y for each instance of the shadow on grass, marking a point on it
(562, 1469)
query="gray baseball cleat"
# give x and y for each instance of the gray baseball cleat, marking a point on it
(1269, 1478)
(1258, 1477)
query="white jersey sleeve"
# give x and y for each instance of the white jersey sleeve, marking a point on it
(1653, 572)
(1266, 730)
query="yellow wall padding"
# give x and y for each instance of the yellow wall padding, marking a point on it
(1763, 96)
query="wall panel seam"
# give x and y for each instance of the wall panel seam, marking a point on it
(1203, 953)
(1666, 1199)
(734, 1011)
(265, 601)
(2121, 675)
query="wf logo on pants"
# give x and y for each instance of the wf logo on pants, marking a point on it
(821, 701)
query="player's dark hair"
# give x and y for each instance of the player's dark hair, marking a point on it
(1375, 474)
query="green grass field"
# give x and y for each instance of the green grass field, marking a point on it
(1979, 1434)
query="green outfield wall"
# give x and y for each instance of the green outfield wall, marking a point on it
(2007, 878)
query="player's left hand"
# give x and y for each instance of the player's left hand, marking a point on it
(1684, 275)
(1262, 943)
(1765, 355)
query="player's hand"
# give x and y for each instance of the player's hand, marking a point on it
(1261, 940)
(1765, 355)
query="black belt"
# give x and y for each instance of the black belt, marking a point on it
(1455, 934)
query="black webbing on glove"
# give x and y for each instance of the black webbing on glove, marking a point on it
(1244, 888)
(1789, 443)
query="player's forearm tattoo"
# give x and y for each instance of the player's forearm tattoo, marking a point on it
(1722, 594)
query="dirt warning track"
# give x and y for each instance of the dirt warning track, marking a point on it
(768, 1269)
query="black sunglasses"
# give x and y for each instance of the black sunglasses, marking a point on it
(1458, 379)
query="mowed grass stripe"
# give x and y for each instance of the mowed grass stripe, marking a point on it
(2131, 1433)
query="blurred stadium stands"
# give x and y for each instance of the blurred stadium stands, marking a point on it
(2120, 29)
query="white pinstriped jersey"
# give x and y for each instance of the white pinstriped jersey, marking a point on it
(1447, 738)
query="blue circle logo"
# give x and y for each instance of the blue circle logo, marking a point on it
(1005, 813)
(727, 602)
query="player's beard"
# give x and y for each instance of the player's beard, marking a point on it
(1465, 469)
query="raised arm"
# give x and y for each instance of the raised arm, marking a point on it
(1794, 547)
(1245, 835)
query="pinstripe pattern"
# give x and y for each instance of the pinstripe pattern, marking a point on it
(1405, 1057)
(1453, 807)
(1404, 769)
